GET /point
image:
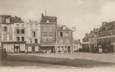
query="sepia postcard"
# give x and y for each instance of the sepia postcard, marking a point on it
(57, 35)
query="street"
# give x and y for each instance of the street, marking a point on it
(60, 60)
(86, 62)
(103, 57)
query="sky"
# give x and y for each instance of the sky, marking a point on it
(82, 14)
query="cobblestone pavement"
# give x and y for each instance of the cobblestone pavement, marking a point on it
(103, 57)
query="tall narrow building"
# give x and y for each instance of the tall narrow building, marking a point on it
(6, 28)
(48, 26)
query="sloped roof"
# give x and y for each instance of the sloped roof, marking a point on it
(107, 26)
(17, 20)
(63, 28)
(51, 19)
(5, 15)
(13, 19)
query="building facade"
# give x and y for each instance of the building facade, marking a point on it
(64, 40)
(32, 36)
(46, 36)
(12, 38)
(85, 43)
(101, 39)
(106, 36)
(48, 25)
(89, 42)
(77, 45)
(6, 27)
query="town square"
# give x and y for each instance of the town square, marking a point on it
(64, 34)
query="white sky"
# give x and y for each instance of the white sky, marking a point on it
(83, 14)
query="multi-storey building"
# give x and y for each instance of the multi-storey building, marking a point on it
(101, 39)
(6, 27)
(106, 36)
(64, 40)
(17, 36)
(85, 43)
(89, 43)
(11, 38)
(33, 36)
(54, 38)
(48, 25)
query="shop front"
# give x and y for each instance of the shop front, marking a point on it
(32, 48)
(14, 47)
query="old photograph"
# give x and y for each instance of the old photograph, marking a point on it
(57, 35)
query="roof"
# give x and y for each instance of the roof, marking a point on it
(106, 26)
(16, 20)
(51, 19)
(64, 28)
(13, 19)
(5, 15)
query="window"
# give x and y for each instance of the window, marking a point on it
(34, 34)
(22, 38)
(22, 31)
(36, 40)
(17, 24)
(18, 38)
(5, 28)
(7, 20)
(31, 41)
(61, 34)
(18, 31)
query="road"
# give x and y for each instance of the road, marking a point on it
(104, 57)
(82, 59)
(13, 66)
(32, 65)
(16, 66)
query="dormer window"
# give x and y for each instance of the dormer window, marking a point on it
(64, 27)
